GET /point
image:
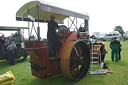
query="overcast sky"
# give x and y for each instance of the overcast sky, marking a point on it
(104, 14)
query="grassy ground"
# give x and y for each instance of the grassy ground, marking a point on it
(23, 75)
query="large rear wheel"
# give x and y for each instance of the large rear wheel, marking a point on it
(75, 60)
(20, 55)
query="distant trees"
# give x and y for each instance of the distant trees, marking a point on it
(119, 29)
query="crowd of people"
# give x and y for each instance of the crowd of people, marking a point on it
(8, 49)
(115, 46)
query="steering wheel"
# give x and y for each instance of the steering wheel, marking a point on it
(64, 32)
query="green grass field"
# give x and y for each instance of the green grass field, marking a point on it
(23, 75)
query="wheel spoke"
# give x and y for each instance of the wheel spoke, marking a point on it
(76, 51)
(73, 67)
(80, 52)
(73, 58)
(77, 71)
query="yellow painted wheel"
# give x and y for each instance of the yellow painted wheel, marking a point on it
(75, 60)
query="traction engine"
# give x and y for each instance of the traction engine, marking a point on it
(73, 59)
(74, 55)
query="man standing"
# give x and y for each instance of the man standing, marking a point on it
(52, 36)
(2, 43)
(120, 49)
(124, 36)
(11, 51)
(115, 45)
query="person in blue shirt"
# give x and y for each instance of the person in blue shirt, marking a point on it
(11, 51)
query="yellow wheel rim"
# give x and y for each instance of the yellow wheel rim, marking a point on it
(75, 60)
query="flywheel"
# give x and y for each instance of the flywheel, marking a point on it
(75, 60)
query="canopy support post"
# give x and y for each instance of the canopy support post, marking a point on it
(33, 27)
(87, 29)
(28, 27)
(38, 28)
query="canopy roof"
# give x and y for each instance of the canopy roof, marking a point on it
(45, 11)
(8, 28)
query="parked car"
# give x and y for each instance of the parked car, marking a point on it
(99, 35)
(110, 36)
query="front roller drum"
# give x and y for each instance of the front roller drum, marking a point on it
(75, 60)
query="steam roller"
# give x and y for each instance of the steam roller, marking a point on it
(73, 57)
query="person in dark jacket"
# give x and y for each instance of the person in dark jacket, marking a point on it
(11, 51)
(115, 45)
(52, 37)
(120, 49)
(2, 44)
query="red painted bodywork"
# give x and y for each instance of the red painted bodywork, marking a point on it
(39, 57)
(102, 50)
(72, 36)
(102, 46)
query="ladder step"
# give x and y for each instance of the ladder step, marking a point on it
(94, 62)
(94, 53)
(95, 49)
(94, 57)
(97, 45)
(94, 66)
(97, 72)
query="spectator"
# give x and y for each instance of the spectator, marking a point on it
(11, 51)
(124, 36)
(2, 44)
(120, 49)
(115, 45)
